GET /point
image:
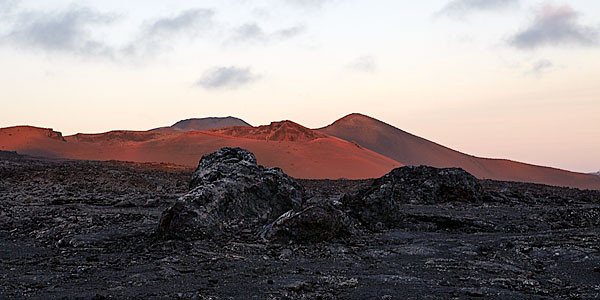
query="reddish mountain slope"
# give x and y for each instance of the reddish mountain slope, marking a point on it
(299, 151)
(202, 124)
(413, 150)
(276, 131)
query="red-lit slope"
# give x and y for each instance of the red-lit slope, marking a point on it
(34, 140)
(287, 147)
(413, 150)
(276, 131)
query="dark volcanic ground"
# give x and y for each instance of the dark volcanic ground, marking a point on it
(87, 230)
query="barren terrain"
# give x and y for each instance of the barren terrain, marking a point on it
(88, 230)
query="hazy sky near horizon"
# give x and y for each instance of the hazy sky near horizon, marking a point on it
(516, 79)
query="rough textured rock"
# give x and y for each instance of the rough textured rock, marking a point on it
(62, 236)
(231, 193)
(315, 223)
(381, 203)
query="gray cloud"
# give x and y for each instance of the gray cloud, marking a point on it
(7, 6)
(363, 64)
(249, 32)
(252, 32)
(460, 8)
(156, 35)
(227, 78)
(74, 31)
(288, 32)
(308, 3)
(552, 26)
(187, 22)
(540, 66)
(70, 31)
(66, 31)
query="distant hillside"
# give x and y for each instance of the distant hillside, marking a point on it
(299, 151)
(354, 147)
(199, 124)
(409, 149)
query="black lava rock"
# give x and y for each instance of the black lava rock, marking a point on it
(381, 203)
(316, 223)
(230, 192)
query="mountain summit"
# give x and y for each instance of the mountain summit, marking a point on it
(198, 124)
(276, 131)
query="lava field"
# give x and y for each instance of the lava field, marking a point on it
(235, 230)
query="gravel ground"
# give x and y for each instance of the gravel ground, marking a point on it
(87, 230)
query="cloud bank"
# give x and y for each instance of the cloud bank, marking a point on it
(227, 78)
(67, 31)
(460, 8)
(156, 35)
(308, 3)
(363, 64)
(554, 26)
(187, 22)
(253, 33)
(7, 6)
(74, 31)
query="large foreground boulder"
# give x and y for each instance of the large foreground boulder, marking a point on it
(381, 203)
(230, 193)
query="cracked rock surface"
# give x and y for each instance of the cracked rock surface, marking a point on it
(87, 230)
(383, 203)
(231, 193)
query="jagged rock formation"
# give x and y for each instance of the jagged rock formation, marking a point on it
(381, 204)
(229, 193)
(315, 223)
(232, 195)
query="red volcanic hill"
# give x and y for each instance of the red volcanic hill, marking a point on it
(413, 150)
(276, 131)
(299, 151)
(202, 124)
(355, 146)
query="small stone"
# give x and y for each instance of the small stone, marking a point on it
(285, 254)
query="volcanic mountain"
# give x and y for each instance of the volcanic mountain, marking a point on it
(299, 151)
(202, 124)
(355, 146)
(413, 150)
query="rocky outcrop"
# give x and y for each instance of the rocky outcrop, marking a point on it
(316, 223)
(381, 203)
(232, 196)
(231, 193)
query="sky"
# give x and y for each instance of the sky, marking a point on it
(516, 79)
